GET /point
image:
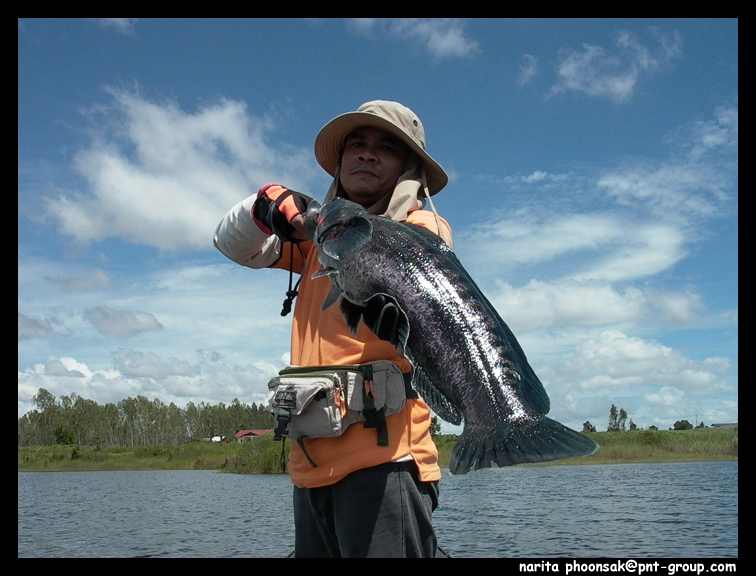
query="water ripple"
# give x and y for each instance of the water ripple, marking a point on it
(681, 510)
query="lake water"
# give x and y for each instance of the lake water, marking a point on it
(675, 510)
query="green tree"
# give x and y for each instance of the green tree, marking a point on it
(64, 435)
(49, 415)
(682, 425)
(588, 427)
(132, 422)
(435, 427)
(617, 419)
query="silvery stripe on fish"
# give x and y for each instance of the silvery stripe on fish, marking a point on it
(467, 363)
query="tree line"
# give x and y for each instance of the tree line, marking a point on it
(133, 421)
(618, 422)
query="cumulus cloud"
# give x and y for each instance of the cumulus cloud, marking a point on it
(66, 367)
(614, 73)
(615, 360)
(160, 176)
(572, 303)
(441, 37)
(137, 373)
(121, 323)
(587, 249)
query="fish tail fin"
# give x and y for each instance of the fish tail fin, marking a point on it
(507, 445)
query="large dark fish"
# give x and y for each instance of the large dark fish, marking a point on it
(467, 363)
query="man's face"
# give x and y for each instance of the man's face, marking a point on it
(371, 163)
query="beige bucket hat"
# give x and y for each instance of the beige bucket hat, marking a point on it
(390, 116)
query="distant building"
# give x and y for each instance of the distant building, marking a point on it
(725, 425)
(247, 435)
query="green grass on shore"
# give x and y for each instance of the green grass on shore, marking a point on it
(263, 455)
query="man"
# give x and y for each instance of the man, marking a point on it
(352, 496)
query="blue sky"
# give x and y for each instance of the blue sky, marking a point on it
(593, 196)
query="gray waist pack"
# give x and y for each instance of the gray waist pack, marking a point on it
(322, 401)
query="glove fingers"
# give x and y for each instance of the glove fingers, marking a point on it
(275, 209)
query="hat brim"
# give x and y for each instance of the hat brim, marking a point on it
(330, 141)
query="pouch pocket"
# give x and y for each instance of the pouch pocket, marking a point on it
(307, 405)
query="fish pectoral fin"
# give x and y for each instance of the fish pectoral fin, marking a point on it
(323, 272)
(333, 295)
(333, 276)
(351, 235)
(386, 319)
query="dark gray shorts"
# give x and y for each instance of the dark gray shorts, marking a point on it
(378, 512)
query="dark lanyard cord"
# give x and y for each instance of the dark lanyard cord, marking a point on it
(291, 293)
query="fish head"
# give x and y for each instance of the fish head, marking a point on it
(338, 228)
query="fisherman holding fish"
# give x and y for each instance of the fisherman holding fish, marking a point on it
(370, 489)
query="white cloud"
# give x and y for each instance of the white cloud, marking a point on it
(123, 25)
(162, 177)
(91, 279)
(601, 246)
(441, 37)
(141, 364)
(694, 184)
(536, 176)
(528, 69)
(643, 252)
(121, 323)
(614, 360)
(582, 249)
(572, 303)
(67, 367)
(596, 71)
(149, 375)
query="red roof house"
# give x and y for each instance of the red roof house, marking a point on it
(247, 435)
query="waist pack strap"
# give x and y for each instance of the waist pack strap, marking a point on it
(373, 418)
(300, 441)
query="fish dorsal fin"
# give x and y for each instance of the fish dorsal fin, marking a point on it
(352, 235)
(333, 295)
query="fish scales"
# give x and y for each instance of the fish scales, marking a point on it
(456, 331)
(468, 366)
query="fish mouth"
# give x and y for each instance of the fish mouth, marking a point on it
(311, 218)
(324, 233)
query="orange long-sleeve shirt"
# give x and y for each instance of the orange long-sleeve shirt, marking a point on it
(322, 338)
